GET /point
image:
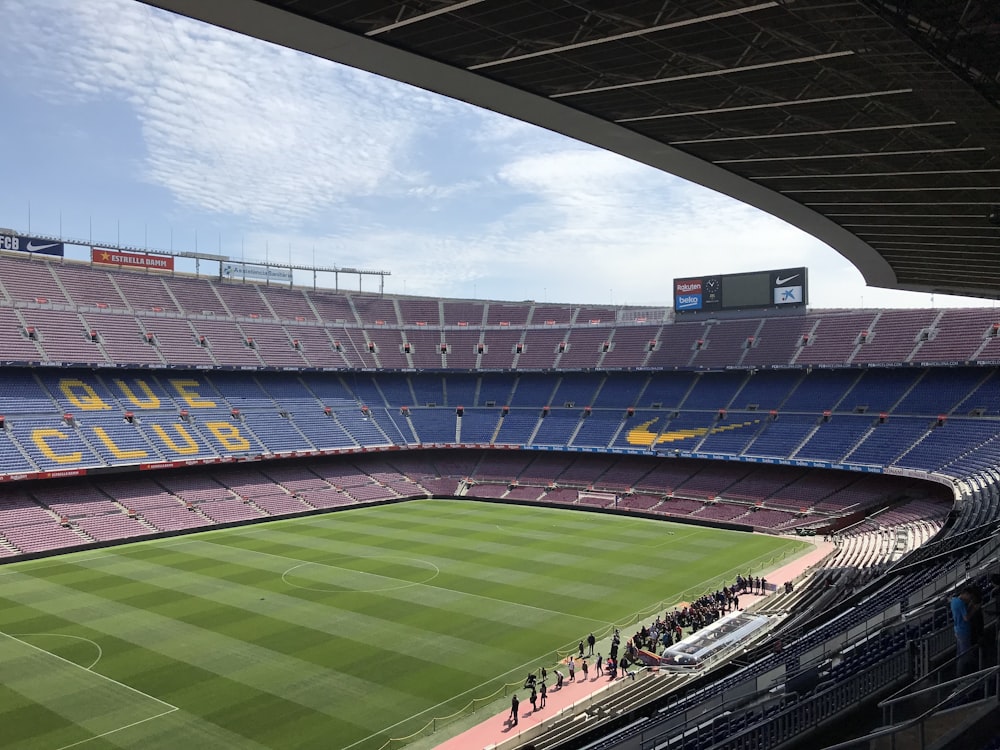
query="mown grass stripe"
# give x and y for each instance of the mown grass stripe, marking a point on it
(206, 623)
(395, 609)
(230, 656)
(29, 725)
(93, 704)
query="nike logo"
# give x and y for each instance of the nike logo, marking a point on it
(33, 248)
(779, 282)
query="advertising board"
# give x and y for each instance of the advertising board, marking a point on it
(34, 245)
(785, 287)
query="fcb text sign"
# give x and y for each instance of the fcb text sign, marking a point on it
(34, 245)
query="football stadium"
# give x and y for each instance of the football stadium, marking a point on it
(244, 509)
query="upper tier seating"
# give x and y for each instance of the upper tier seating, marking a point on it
(895, 335)
(347, 329)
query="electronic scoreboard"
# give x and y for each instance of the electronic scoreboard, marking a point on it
(786, 287)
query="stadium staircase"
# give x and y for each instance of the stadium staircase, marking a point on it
(534, 431)
(929, 333)
(872, 330)
(980, 349)
(7, 548)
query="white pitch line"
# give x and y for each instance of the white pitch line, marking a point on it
(672, 537)
(439, 588)
(59, 561)
(520, 668)
(104, 676)
(512, 671)
(100, 651)
(119, 729)
(405, 585)
(65, 558)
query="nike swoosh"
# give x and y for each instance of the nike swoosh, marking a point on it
(33, 248)
(779, 282)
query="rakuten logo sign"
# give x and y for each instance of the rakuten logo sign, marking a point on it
(687, 287)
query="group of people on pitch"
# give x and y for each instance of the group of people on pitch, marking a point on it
(666, 630)
(537, 684)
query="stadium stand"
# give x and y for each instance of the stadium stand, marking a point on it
(301, 401)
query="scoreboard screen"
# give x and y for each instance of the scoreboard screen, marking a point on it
(786, 287)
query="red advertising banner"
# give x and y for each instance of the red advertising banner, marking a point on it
(687, 286)
(131, 260)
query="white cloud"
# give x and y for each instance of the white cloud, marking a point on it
(594, 228)
(231, 125)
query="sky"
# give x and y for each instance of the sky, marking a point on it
(124, 124)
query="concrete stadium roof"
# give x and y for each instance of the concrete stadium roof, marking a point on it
(872, 125)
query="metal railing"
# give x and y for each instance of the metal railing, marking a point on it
(916, 733)
(812, 712)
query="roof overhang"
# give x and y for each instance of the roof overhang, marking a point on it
(903, 195)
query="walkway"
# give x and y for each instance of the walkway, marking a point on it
(497, 730)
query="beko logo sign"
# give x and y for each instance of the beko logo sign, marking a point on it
(689, 302)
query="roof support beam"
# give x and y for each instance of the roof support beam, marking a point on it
(936, 244)
(902, 216)
(423, 17)
(855, 155)
(852, 175)
(624, 35)
(704, 74)
(839, 131)
(769, 105)
(901, 203)
(913, 226)
(917, 189)
(936, 236)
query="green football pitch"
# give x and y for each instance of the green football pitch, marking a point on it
(334, 631)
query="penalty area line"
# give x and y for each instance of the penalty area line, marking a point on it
(119, 729)
(90, 671)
